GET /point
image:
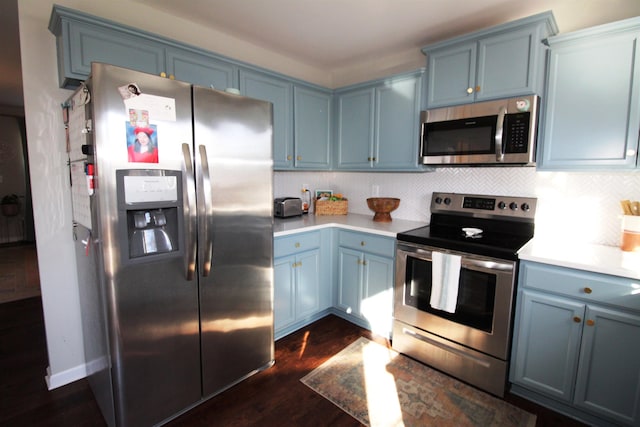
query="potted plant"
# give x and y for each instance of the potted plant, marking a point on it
(10, 205)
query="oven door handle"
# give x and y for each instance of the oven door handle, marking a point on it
(467, 261)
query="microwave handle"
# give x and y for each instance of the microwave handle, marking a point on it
(499, 133)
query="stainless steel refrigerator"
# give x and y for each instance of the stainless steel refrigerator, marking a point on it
(175, 261)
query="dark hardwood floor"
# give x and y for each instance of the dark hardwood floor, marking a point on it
(274, 397)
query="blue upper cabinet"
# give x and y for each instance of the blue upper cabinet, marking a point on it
(82, 39)
(378, 124)
(200, 69)
(312, 128)
(81, 42)
(592, 116)
(280, 93)
(503, 61)
(355, 128)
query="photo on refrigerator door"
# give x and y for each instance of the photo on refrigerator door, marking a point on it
(142, 142)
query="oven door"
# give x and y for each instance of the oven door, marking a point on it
(482, 317)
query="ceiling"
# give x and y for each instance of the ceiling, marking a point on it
(330, 34)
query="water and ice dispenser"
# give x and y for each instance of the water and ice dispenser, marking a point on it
(150, 211)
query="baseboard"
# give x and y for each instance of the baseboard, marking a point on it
(65, 377)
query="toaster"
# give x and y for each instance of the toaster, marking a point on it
(284, 207)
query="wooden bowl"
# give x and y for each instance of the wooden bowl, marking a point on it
(383, 206)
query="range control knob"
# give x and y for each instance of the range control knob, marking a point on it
(438, 200)
(502, 205)
(525, 207)
(447, 201)
(513, 206)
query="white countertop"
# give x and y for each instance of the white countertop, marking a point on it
(356, 222)
(596, 258)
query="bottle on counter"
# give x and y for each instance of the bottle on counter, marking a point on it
(306, 200)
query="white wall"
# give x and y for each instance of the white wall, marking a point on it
(563, 193)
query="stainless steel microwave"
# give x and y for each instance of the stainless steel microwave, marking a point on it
(500, 132)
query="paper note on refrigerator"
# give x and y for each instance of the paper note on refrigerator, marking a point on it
(159, 107)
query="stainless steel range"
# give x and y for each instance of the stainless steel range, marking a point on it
(455, 285)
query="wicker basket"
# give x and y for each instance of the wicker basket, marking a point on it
(328, 207)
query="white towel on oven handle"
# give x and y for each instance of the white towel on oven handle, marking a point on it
(445, 277)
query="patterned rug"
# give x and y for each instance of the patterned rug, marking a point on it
(380, 387)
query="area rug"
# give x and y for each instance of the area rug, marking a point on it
(380, 387)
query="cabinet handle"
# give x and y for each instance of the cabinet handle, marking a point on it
(587, 290)
(591, 322)
(296, 264)
(577, 319)
(469, 90)
(369, 159)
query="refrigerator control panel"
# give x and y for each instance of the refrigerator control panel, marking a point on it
(144, 189)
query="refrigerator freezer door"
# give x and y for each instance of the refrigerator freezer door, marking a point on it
(152, 309)
(233, 150)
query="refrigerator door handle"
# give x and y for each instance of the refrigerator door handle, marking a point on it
(190, 214)
(208, 211)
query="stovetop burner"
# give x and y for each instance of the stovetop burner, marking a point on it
(506, 224)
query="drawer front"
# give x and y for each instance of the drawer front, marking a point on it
(370, 243)
(288, 245)
(588, 286)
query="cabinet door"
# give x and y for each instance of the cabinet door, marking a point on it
(547, 345)
(89, 43)
(377, 293)
(397, 124)
(355, 129)
(349, 280)
(279, 93)
(507, 65)
(592, 113)
(451, 75)
(312, 111)
(608, 380)
(284, 291)
(201, 70)
(307, 273)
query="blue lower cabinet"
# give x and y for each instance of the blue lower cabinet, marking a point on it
(576, 344)
(301, 291)
(365, 280)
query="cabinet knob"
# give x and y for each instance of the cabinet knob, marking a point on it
(362, 243)
(587, 290)
(469, 90)
(477, 88)
(591, 322)
(172, 77)
(289, 157)
(163, 74)
(577, 319)
(297, 245)
(369, 159)
(299, 158)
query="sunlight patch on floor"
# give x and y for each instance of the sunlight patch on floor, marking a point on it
(382, 396)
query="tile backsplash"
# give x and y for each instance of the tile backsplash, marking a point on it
(583, 207)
